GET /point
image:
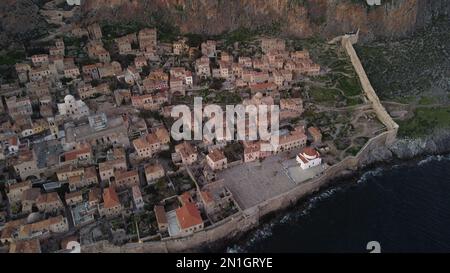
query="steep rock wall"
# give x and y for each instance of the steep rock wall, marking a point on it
(301, 18)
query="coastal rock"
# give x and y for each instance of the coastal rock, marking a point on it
(405, 148)
(379, 154)
(438, 143)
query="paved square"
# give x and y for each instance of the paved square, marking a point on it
(254, 182)
(297, 174)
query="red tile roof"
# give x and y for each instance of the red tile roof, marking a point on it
(188, 216)
(160, 215)
(185, 198)
(110, 198)
(207, 197)
(73, 155)
(314, 131)
(310, 152)
(216, 155)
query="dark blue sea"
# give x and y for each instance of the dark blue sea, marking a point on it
(405, 208)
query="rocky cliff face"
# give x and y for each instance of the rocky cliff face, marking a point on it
(404, 149)
(301, 18)
(20, 20)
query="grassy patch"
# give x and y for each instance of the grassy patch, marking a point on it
(166, 32)
(425, 121)
(233, 151)
(245, 35)
(350, 86)
(115, 30)
(12, 57)
(325, 95)
(239, 35)
(407, 99)
(354, 101)
(426, 101)
(340, 86)
(354, 150)
(342, 143)
(410, 66)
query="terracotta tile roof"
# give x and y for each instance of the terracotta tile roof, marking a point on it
(152, 139)
(31, 194)
(251, 149)
(153, 168)
(207, 197)
(310, 152)
(185, 198)
(94, 195)
(10, 227)
(110, 198)
(71, 195)
(302, 158)
(140, 143)
(185, 148)
(68, 168)
(188, 216)
(25, 155)
(262, 87)
(74, 179)
(125, 174)
(216, 155)
(119, 152)
(162, 133)
(292, 137)
(160, 215)
(55, 220)
(48, 198)
(27, 230)
(177, 70)
(111, 164)
(314, 131)
(25, 184)
(30, 246)
(13, 140)
(90, 172)
(73, 155)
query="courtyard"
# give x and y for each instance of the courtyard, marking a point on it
(255, 182)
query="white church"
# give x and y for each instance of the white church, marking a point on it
(308, 158)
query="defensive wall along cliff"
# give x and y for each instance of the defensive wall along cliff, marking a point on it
(250, 218)
(392, 127)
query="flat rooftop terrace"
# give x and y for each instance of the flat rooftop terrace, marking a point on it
(174, 229)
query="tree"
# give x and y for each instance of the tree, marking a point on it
(160, 185)
(217, 84)
(146, 70)
(65, 80)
